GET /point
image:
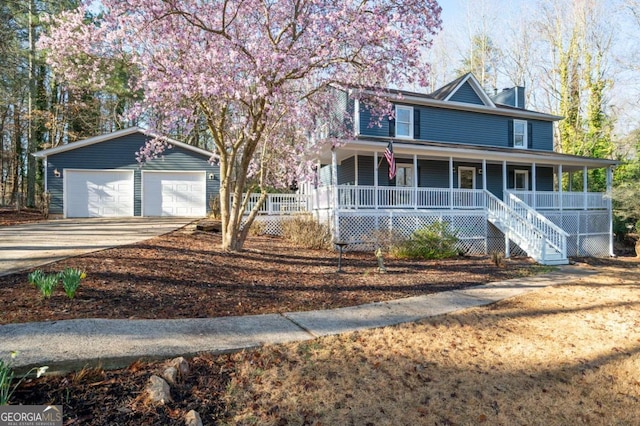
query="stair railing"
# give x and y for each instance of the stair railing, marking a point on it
(555, 236)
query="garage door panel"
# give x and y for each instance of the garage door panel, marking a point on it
(98, 193)
(174, 194)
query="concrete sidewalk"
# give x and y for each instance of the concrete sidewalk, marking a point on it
(73, 344)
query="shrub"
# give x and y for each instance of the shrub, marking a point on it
(257, 228)
(303, 231)
(71, 280)
(435, 241)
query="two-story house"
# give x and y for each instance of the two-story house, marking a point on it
(484, 164)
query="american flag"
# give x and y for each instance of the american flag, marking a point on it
(388, 154)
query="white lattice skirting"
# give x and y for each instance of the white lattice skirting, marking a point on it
(588, 230)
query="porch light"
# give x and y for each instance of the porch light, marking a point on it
(479, 171)
(57, 173)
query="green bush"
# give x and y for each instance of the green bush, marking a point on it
(435, 241)
(71, 281)
(303, 231)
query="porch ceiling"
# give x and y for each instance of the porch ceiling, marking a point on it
(463, 152)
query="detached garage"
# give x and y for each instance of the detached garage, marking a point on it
(100, 177)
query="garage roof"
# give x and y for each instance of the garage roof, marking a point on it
(109, 136)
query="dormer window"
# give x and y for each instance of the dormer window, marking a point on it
(519, 134)
(404, 122)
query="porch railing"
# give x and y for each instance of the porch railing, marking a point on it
(371, 197)
(551, 200)
(277, 204)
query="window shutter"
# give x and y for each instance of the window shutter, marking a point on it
(392, 127)
(510, 134)
(416, 123)
(529, 135)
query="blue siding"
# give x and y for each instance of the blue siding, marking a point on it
(544, 178)
(433, 174)
(372, 129)
(449, 125)
(467, 95)
(494, 179)
(347, 172)
(119, 153)
(365, 170)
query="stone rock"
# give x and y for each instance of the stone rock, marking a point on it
(181, 365)
(192, 418)
(170, 374)
(158, 391)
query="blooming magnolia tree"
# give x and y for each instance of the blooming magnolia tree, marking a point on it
(261, 73)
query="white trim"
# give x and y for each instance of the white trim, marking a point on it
(473, 176)
(476, 154)
(109, 136)
(475, 85)
(148, 172)
(525, 134)
(46, 174)
(356, 117)
(410, 111)
(411, 173)
(517, 172)
(65, 192)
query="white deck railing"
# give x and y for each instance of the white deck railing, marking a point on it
(384, 197)
(352, 197)
(278, 204)
(551, 200)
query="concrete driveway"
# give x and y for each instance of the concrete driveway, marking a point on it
(33, 244)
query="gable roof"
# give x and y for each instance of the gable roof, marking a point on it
(110, 136)
(446, 92)
(442, 98)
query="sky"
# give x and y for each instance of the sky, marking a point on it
(459, 16)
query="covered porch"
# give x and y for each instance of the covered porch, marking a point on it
(454, 176)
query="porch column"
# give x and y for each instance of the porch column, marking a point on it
(451, 183)
(609, 208)
(334, 182)
(355, 182)
(375, 179)
(584, 187)
(504, 180)
(560, 187)
(534, 187)
(484, 174)
(415, 181)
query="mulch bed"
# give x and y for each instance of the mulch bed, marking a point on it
(98, 397)
(184, 275)
(9, 216)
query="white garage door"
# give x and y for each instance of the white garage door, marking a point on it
(174, 194)
(98, 193)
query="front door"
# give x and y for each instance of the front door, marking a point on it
(467, 177)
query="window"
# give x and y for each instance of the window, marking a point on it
(519, 134)
(404, 175)
(404, 122)
(521, 180)
(467, 177)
